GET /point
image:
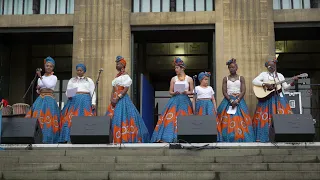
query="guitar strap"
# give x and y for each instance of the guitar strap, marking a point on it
(280, 84)
(276, 92)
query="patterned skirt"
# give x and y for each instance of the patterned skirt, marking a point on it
(234, 127)
(126, 123)
(79, 105)
(205, 107)
(166, 128)
(45, 108)
(262, 119)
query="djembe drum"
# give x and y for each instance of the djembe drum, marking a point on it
(6, 111)
(20, 108)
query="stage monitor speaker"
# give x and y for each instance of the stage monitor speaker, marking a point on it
(17, 130)
(90, 130)
(197, 129)
(292, 128)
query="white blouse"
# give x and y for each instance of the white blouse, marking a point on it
(123, 80)
(47, 82)
(266, 77)
(204, 93)
(84, 84)
(185, 82)
(233, 87)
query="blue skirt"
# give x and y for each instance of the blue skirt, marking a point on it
(234, 127)
(262, 118)
(126, 123)
(79, 105)
(45, 108)
(166, 128)
(205, 107)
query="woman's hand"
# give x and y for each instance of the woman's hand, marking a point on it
(176, 93)
(185, 92)
(39, 74)
(234, 104)
(268, 86)
(114, 101)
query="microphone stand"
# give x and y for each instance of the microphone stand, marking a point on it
(194, 81)
(194, 93)
(32, 89)
(96, 86)
(29, 147)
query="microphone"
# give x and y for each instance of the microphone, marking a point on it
(39, 69)
(100, 70)
(269, 67)
(195, 76)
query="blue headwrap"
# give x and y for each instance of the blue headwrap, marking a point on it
(178, 62)
(82, 66)
(203, 74)
(232, 60)
(270, 60)
(121, 60)
(50, 60)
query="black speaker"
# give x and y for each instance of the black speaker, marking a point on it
(292, 128)
(90, 130)
(197, 129)
(17, 130)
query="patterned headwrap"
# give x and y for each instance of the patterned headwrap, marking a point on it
(121, 60)
(50, 60)
(270, 60)
(4, 103)
(203, 74)
(178, 62)
(82, 66)
(232, 60)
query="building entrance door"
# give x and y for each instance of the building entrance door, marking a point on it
(152, 65)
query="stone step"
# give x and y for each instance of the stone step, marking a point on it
(57, 159)
(220, 159)
(162, 159)
(159, 175)
(57, 175)
(254, 175)
(160, 152)
(161, 167)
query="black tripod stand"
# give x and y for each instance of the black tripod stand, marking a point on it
(194, 93)
(30, 87)
(96, 86)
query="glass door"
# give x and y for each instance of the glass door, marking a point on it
(60, 93)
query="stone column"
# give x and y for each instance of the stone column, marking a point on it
(244, 31)
(101, 32)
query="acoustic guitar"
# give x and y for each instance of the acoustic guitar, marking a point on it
(262, 92)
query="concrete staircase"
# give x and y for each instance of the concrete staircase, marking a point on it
(161, 163)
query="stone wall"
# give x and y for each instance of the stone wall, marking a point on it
(101, 32)
(245, 31)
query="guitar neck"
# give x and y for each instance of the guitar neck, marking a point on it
(280, 82)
